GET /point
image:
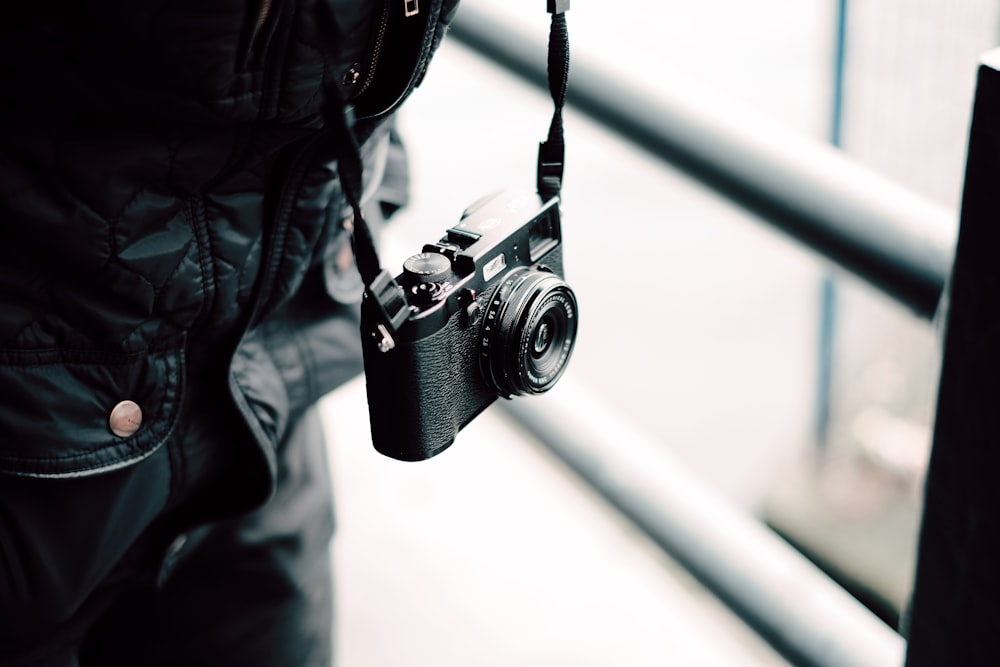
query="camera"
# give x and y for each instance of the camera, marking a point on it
(489, 316)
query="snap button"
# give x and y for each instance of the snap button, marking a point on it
(126, 418)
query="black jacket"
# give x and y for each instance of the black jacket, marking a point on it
(171, 236)
(168, 195)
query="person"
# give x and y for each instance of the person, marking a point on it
(177, 291)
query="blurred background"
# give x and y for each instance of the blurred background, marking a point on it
(791, 389)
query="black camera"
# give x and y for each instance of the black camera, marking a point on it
(488, 315)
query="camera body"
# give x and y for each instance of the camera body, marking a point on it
(489, 316)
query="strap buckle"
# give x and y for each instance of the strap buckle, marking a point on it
(550, 168)
(391, 309)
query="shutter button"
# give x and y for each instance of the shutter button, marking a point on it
(126, 418)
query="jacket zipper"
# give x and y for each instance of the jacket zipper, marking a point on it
(410, 8)
(257, 34)
(376, 51)
(291, 182)
(269, 265)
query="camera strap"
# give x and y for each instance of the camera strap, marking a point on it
(380, 286)
(552, 151)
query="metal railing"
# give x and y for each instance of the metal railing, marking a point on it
(897, 241)
(790, 603)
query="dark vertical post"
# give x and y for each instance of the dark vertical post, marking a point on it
(956, 603)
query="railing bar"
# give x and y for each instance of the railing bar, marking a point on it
(788, 601)
(895, 239)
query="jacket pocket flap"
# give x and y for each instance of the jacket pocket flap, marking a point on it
(56, 409)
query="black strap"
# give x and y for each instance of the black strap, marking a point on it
(351, 169)
(339, 117)
(552, 152)
(380, 286)
(383, 290)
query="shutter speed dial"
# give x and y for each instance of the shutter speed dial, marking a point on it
(426, 275)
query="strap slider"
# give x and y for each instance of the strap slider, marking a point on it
(391, 308)
(550, 168)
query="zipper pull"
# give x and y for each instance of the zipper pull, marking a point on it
(410, 8)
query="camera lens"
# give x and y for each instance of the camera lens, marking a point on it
(543, 336)
(528, 332)
(545, 357)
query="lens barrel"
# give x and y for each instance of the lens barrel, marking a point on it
(528, 332)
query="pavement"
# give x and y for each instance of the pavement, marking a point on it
(493, 555)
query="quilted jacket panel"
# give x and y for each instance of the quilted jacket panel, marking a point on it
(166, 186)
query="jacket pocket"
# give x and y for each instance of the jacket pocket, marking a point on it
(70, 413)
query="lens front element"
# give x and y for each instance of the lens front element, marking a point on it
(528, 332)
